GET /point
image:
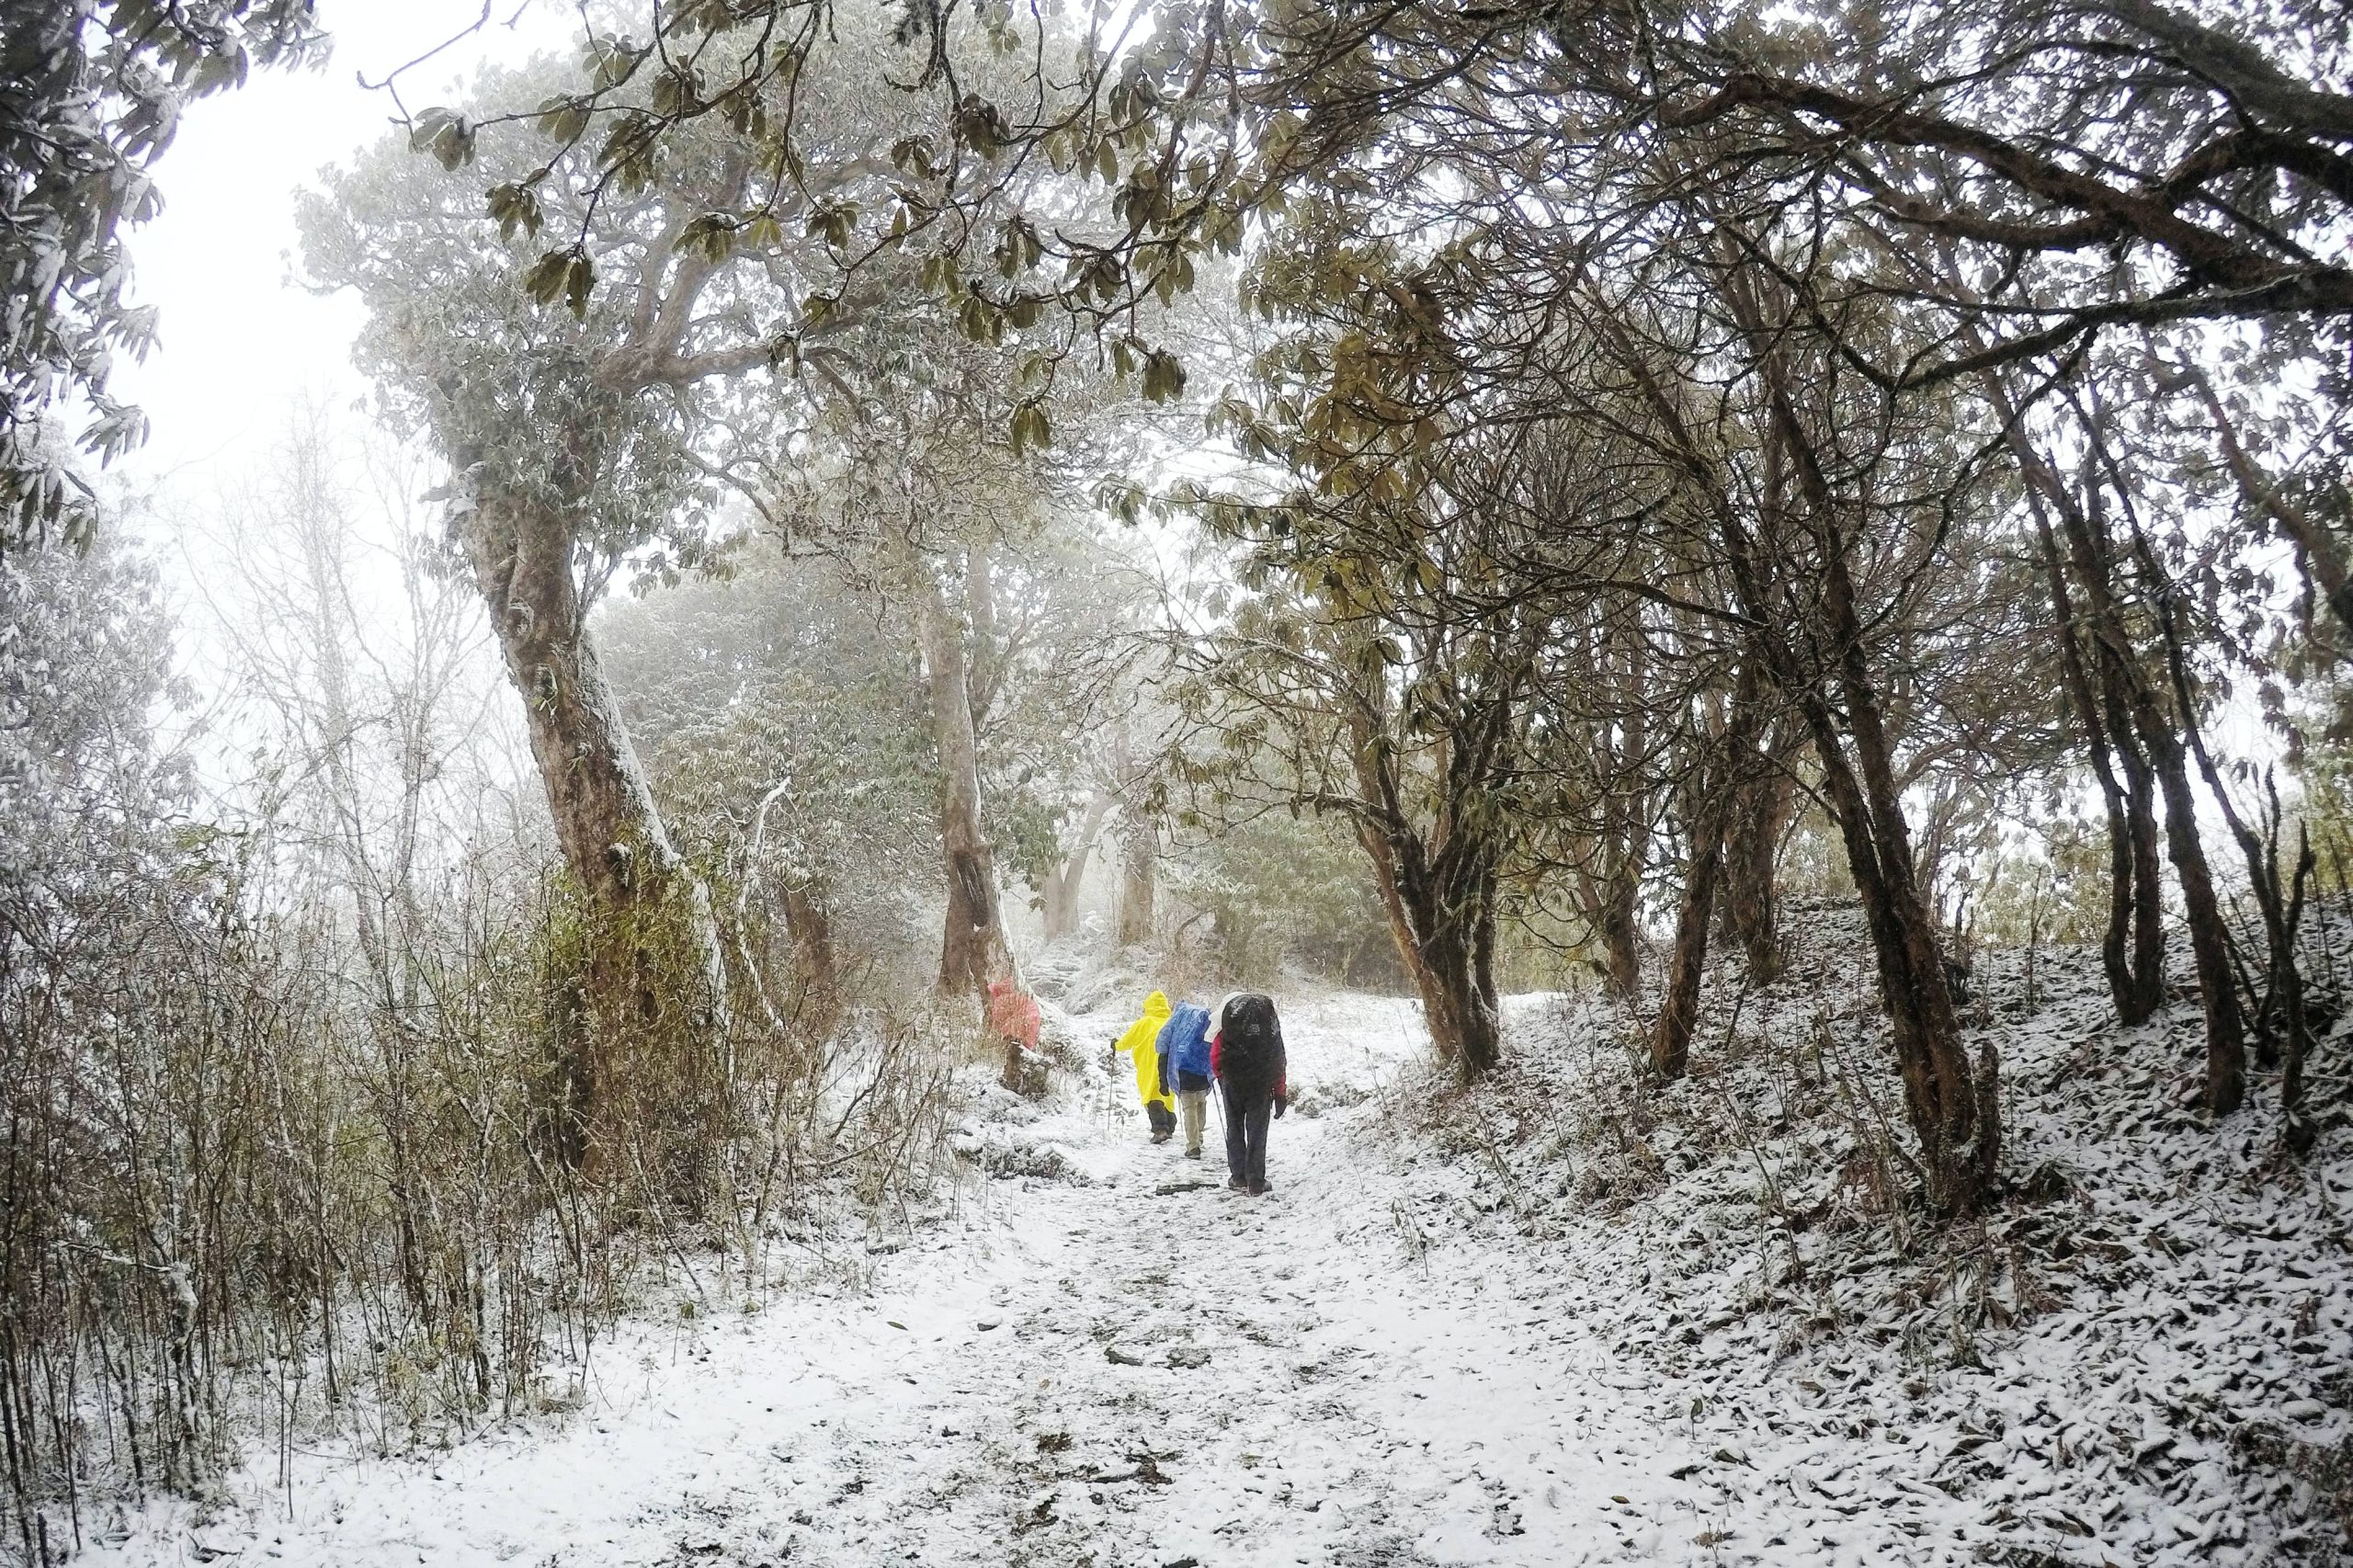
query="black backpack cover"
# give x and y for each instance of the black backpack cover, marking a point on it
(1250, 1044)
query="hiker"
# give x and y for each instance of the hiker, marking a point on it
(1141, 1043)
(1012, 1019)
(1184, 1048)
(1246, 1058)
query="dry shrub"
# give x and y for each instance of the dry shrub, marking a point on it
(264, 1177)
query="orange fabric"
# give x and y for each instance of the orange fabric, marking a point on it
(1013, 1014)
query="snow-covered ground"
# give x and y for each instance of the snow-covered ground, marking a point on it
(1469, 1328)
(1118, 1366)
(2144, 1355)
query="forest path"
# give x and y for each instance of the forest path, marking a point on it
(1095, 1372)
(1307, 1393)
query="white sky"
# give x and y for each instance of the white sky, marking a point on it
(240, 337)
(241, 345)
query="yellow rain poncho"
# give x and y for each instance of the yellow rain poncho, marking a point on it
(1141, 1043)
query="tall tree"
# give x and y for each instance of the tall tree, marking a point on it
(972, 947)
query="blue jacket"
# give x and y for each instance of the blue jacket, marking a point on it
(1183, 1041)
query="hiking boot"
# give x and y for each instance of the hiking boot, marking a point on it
(1259, 1189)
(1237, 1183)
(1192, 1154)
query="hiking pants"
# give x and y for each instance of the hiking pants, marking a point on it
(1246, 1135)
(1194, 1106)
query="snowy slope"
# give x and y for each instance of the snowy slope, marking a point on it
(2146, 1356)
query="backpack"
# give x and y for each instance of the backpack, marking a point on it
(1250, 1044)
(1184, 1040)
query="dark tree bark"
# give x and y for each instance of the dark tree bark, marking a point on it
(2137, 711)
(2282, 1004)
(1957, 1123)
(2281, 901)
(1614, 890)
(1441, 913)
(2209, 942)
(1793, 582)
(1715, 787)
(2133, 945)
(2145, 971)
(1438, 883)
(1678, 1007)
(1616, 898)
(1434, 994)
(606, 821)
(1762, 807)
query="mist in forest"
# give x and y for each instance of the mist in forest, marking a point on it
(663, 670)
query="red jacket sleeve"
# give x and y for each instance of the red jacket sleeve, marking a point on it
(1217, 1056)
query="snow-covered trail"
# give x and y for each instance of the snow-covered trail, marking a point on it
(1306, 1394)
(1101, 1373)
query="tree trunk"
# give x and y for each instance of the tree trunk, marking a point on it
(1716, 784)
(1626, 811)
(606, 825)
(1611, 891)
(2136, 710)
(2132, 947)
(1761, 809)
(1139, 860)
(1058, 894)
(2210, 942)
(2209, 935)
(1784, 588)
(1956, 1134)
(972, 950)
(1679, 1008)
(1457, 946)
(1409, 951)
(2146, 960)
(1938, 1091)
(2281, 1005)
(1443, 923)
(1464, 986)
(1619, 893)
(814, 969)
(605, 822)
(1441, 907)
(1951, 1108)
